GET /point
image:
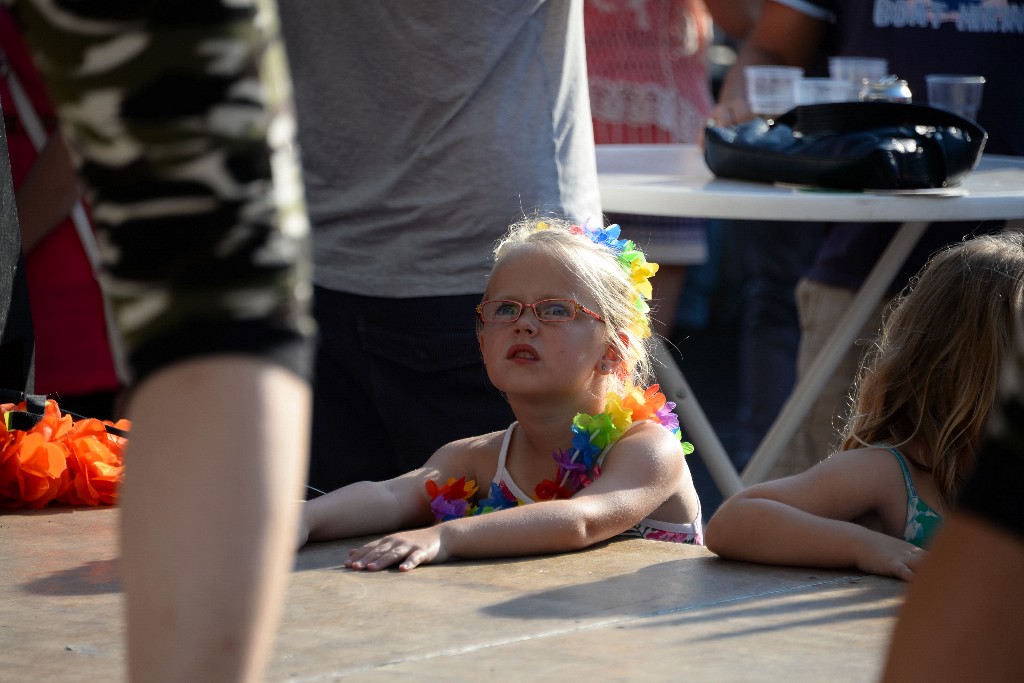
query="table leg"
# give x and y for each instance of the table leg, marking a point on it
(694, 422)
(807, 390)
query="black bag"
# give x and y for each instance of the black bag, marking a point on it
(850, 146)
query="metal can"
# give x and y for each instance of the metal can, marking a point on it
(890, 89)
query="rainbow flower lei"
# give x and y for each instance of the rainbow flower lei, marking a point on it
(578, 466)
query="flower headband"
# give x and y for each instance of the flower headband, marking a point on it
(632, 261)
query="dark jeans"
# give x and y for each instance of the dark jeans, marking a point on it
(774, 257)
(395, 380)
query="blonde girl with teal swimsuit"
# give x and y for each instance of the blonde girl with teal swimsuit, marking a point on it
(594, 452)
(922, 398)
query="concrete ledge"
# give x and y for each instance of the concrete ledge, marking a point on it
(624, 610)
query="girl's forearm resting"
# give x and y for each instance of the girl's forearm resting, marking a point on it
(549, 527)
(764, 530)
(357, 510)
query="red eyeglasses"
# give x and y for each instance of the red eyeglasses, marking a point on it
(548, 310)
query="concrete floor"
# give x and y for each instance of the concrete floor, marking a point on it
(622, 611)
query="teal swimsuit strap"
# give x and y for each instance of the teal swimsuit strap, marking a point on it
(911, 491)
(922, 520)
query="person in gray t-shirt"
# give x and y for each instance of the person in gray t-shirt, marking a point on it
(425, 129)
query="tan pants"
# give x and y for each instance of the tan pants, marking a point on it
(820, 308)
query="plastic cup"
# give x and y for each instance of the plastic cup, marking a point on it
(822, 90)
(771, 90)
(854, 70)
(958, 94)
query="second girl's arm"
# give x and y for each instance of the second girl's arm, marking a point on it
(642, 471)
(805, 520)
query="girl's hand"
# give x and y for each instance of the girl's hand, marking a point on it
(408, 549)
(887, 556)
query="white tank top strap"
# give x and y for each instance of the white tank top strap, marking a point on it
(501, 474)
(504, 449)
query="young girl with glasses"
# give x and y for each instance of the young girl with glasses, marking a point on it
(920, 407)
(564, 329)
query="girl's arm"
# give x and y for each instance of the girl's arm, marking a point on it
(806, 520)
(362, 508)
(642, 471)
(371, 507)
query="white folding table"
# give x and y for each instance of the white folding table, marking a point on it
(673, 180)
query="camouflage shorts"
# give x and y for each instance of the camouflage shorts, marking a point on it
(179, 115)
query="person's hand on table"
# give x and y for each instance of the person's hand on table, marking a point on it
(888, 556)
(730, 112)
(727, 112)
(407, 549)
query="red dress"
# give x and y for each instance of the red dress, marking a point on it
(647, 69)
(649, 83)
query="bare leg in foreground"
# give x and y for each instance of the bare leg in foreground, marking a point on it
(217, 461)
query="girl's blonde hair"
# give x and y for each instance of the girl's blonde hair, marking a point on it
(930, 378)
(597, 268)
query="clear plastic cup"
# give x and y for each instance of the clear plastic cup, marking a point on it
(854, 70)
(958, 94)
(771, 90)
(822, 90)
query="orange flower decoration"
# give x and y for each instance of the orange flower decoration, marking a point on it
(33, 472)
(644, 406)
(455, 489)
(96, 467)
(58, 459)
